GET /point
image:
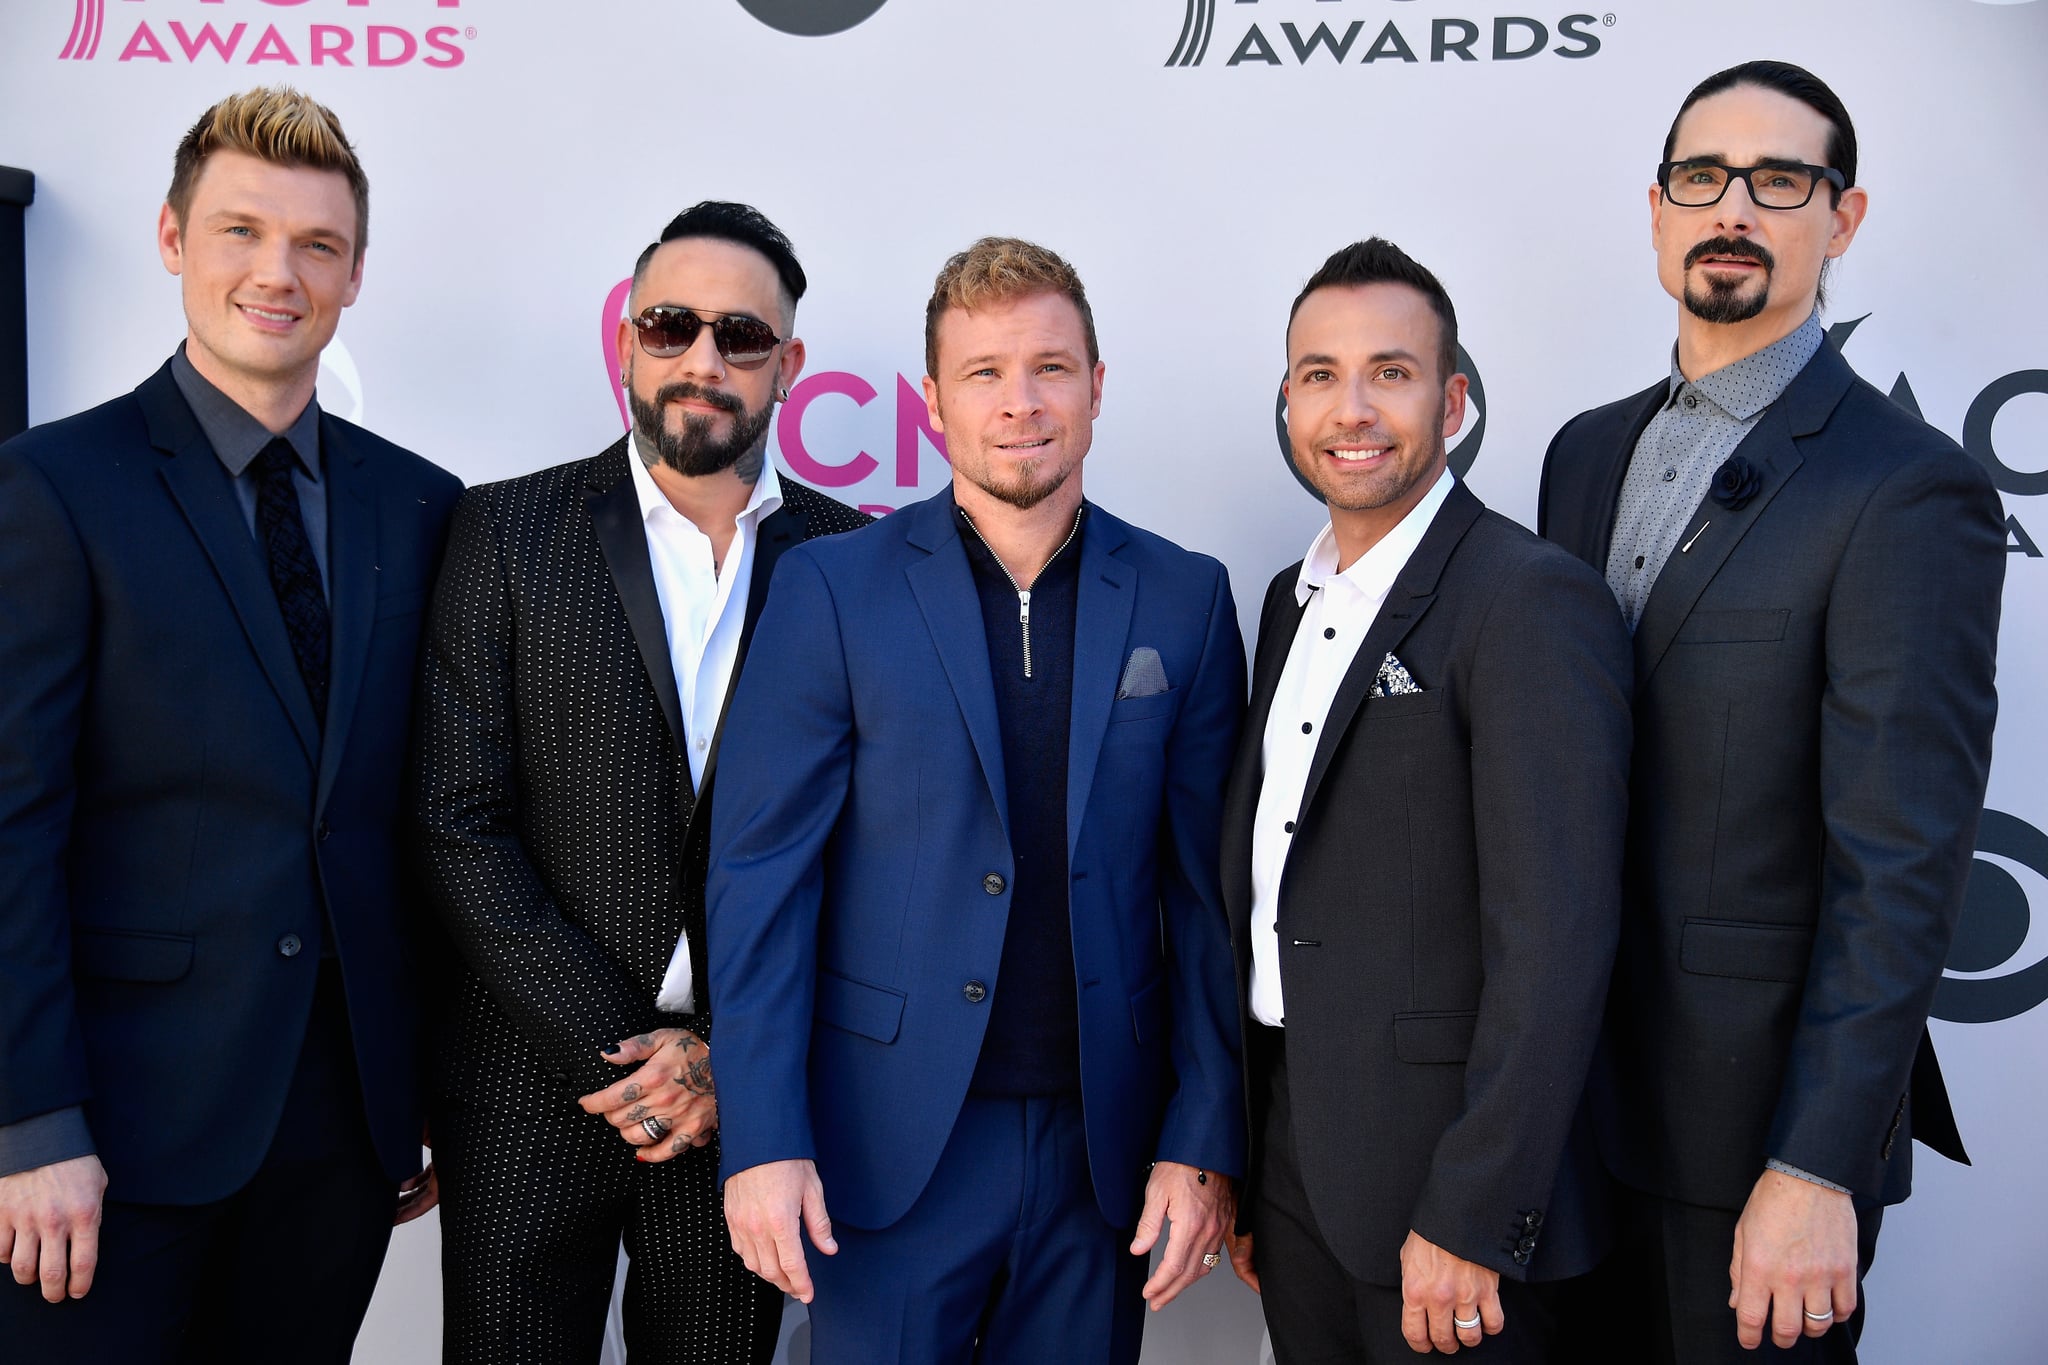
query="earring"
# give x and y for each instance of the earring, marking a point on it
(625, 381)
(783, 394)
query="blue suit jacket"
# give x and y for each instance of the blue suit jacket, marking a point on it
(862, 826)
(172, 817)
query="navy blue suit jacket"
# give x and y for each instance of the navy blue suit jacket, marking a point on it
(172, 818)
(861, 864)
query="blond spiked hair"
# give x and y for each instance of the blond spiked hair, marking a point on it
(275, 124)
(1000, 270)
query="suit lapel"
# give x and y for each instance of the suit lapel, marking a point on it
(352, 559)
(779, 530)
(1279, 620)
(1714, 531)
(206, 496)
(1410, 597)
(615, 515)
(943, 584)
(1612, 470)
(1107, 597)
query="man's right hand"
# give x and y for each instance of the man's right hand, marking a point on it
(50, 1225)
(762, 1207)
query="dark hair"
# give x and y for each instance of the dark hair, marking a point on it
(1378, 261)
(1793, 82)
(741, 224)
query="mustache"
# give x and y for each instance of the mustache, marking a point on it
(672, 393)
(1730, 246)
(1355, 436)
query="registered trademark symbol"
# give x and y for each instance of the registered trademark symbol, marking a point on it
(471, 32)
(1607, 19)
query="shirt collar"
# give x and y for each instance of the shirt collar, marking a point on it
(237, 437)
(765, 498)
(1759, 379)
(1375, 571)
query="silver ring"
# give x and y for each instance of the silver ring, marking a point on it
(1462, 1325)
(1212, 1259)
(655, 1128)
(1828, 1316)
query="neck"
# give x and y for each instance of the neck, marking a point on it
(1357, 530)
(1704, 347)
(276, 402)
(1024, 538)
(712, 502)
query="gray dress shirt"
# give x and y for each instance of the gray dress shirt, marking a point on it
(1695, 431)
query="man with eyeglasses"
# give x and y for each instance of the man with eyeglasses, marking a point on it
(588, 625)
(1812, 576)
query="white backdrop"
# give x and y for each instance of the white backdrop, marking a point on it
(1196, 159)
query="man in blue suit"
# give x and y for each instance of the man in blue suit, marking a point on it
(210, 609)
(967, 938)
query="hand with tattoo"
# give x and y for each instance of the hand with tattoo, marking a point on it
(671, 1087)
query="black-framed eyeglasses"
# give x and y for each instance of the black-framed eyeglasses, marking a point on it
(669, 329)
(1700, 183)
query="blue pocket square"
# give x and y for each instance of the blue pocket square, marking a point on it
(1393, 679)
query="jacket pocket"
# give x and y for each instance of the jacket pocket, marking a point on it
(125, 955)
(1431, 1037)
(1732, 627)
(871, 1011)
(1144, 708)
(1406, 704)
(1750, 952)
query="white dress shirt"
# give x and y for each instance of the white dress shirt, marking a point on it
(702, 609)
(1338, 609)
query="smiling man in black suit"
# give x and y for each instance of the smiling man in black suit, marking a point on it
(1813, 577)
(1422, 863)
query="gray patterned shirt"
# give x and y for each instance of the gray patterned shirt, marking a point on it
(1697, 429)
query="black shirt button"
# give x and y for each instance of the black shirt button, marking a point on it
(1692, 400)
(993, 883)
(1329, 632)
(975, 992)
(1307, 728)
(289, 946)
(1639, 561)
(1670, 474)
(1289, 827)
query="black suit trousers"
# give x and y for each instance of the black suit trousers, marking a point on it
(1316, 1312)
(535, 1197)
(284, 1267)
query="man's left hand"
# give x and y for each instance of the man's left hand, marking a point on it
(1438, 1290)
(672, 1090)
(1200, 1206)
(416, 1196)
(1795, 1255)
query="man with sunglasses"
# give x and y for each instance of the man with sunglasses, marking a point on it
(1812, 576)
(588, 625)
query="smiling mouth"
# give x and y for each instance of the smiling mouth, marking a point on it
(271, 315)
(1025, 447)
(1355, 454)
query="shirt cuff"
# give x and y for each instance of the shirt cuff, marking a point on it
(44, 1140)
(1785, 1168)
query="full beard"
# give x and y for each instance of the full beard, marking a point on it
(693, 451)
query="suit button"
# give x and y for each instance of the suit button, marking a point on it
(1521, 1258)
(975, 992)
(322, 831)
(993, 883)
(1535, 1219)
(289, 946)
(1526, 1245)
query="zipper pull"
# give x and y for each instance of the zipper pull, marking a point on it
(1024, 624)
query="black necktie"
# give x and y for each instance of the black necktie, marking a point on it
(294, 573)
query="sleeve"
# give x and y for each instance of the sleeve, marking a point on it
(1905, 751)
(46, 613)
(1551, 734)
(562, 992)
(779, 796)
(1204, 1121)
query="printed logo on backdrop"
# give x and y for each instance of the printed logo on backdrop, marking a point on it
(256, 33)
(824, 449)
(1464, 446)
(1999, 928)
(1977, 435)
(1298, 33)
(812, 18)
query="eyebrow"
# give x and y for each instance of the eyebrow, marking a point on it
(1779, 162)
(1376, 358)
(1055, 353)
(330, 234)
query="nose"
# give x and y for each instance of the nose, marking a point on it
(1737, 211)
(1022, 398)
(274, 264)
(702, 358)
(1355, 406)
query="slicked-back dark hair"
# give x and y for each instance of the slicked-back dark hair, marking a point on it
(1793, 82)
(742, 224)
(1378, 261)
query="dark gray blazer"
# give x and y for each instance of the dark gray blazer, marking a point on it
(1450, 903)
(1814, 706)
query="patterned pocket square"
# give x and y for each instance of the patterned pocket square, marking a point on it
(1144, 675)
(1393, 679)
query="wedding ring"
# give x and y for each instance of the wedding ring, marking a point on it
(1212, 1259)
(656, 1129)
(1462, 1324)
(1828, 1316)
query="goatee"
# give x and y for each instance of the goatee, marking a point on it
(1723, 300)
(693, 451)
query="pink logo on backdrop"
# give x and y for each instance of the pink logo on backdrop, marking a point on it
(811, 460)
(333, 33)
